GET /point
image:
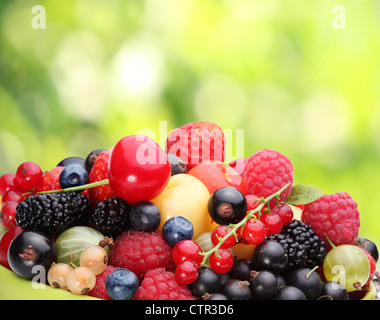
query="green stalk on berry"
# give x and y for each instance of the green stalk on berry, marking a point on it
(234, 227)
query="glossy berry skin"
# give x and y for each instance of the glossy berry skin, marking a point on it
(221, 232)
(222, 262)
(284, 211)
(122, 284)
(72, 176)
(272, 222)
(145, 216)
(186, 272)
(7, 214)
(177, 229)
(177, 164)
(5, 241)
(254, 231)
(71, 160)
(29, 175)
(208, 281)
(187, 250)
(271, 256)
(12, 195)
(332, 290)
(227, 205)
(263, 285)
(28, 250)
(368, 246)
(241, 269)
(236, 289)
(289, 293)
(307, 281)
(7, 182)
(133, 162)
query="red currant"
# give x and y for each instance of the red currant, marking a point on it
(14, 196)
(138, 169)
(254, 231)
(221, 232)
(7, 182)
(7, 214)
(273, 223)
(186, 272)
(29, 175)
(222, 262)
(284, 211)
(187, 250)
(5, 241)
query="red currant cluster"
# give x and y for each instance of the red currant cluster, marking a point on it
(15, 187)
(257, 224)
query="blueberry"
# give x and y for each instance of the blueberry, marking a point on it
(71, 160)
(122, 284)
(72, 176)
(227, 205)
(177, 164)
(91, 158)
(176, 229)
(145, 216)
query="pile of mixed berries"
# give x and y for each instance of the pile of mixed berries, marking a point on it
(94, 224)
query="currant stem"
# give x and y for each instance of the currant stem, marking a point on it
(78, 188)
(236, 226)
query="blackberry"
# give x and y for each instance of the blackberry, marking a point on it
(53, 213)
(303, 246)
(112, 217)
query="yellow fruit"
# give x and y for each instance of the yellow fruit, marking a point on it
(243, 251)
(185, 196)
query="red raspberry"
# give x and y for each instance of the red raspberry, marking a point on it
(50, 181)
(99, 172)
(266, 172)
(197, 142)
(335, 216)
(140, 252)
(160, 284)
(372, 265)
(100, 291)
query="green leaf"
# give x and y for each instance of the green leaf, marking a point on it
(304, 194)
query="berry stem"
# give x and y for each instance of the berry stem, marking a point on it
(78, 188)
(236, 226)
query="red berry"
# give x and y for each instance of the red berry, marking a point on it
(284, 211)
(5, 241)
(266, 172)
(134, 161)
(273, 223)
(7, 214)
(254, 231)
(221, 232)
(186, 272)
(187, 250)
(197, 142)
(222, 262)
(335, 216)
(50, 180)
(14, 196)
(7, 182)
(29, 175)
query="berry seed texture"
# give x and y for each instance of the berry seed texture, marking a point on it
(141, 222)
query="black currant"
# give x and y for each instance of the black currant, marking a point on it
(227, 205)
(207, 282)
(236, 289)
(71, 160)
(241, 269)
(307, 280)
(31, 254)
(332, 290)
(217, 296)
(91, 158)
(368, 246)
(177, 164)
(289, 293)
(270, 255)
(263, 285)
(145, 216)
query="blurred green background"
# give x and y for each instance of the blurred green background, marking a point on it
(300, 77)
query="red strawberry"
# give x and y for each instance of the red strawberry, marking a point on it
(50, 180)
(100, 172)
(197, 142)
